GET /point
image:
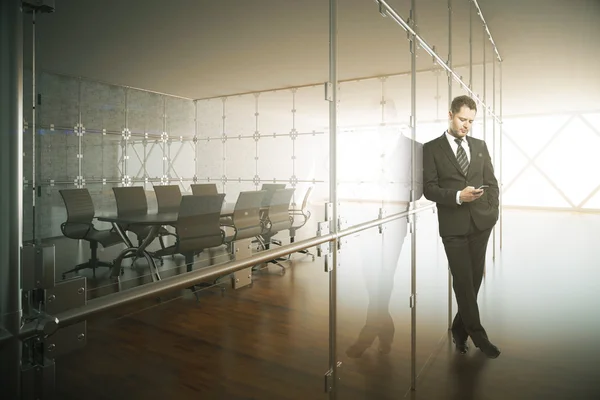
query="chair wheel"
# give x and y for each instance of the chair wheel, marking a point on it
(64, 277)
(313, 258)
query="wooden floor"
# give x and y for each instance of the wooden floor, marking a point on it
(540, 303)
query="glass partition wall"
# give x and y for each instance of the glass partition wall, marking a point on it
(359, 315)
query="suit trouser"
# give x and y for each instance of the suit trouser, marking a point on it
(466, 257)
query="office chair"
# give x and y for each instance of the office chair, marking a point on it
(168, 198)
(200, 189)
(79, 226)
(278, 219)
(198, 228)
(302, 215)
(131, 200)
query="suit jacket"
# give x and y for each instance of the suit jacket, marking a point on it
(443, 177)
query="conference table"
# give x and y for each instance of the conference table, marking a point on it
(153, 219)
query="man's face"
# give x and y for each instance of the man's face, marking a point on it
(460, 123)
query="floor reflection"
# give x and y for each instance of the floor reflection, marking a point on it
(466, 371)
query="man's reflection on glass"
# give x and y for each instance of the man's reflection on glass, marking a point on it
(395, 183)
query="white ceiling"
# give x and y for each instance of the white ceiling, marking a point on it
(205, 48)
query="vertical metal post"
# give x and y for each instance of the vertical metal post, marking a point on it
(256, 138)
(494, 141)
(333, 81)
(125, 136)
(413, 250)
(449, 51)
(500, 150)
(449, 107)
(224, 149)
(484, 90)
(196, 142)
(293, 137)
(11, 181)
(470, 46)
(166, 146)
(79, 137)
(33, 131)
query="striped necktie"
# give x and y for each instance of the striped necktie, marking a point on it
(461, 156)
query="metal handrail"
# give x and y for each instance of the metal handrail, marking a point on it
(487, 29)
(155, 289)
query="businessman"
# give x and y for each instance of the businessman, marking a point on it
(458, 176)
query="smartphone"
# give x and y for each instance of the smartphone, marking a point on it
(482, 187)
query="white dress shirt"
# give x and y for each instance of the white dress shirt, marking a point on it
(454, 147)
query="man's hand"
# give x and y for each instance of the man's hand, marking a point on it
(470, 194)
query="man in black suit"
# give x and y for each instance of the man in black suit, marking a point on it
(458, 175)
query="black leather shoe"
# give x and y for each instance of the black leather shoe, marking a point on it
(489, 350)
(461, 345)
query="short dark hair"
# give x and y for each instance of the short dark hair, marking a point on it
(460, 101)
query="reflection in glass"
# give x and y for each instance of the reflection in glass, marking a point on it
(379, 280)
(394, 194)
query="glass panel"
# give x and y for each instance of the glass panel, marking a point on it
(102, 107)
(97, 137)
(28, 157)
(146, 112)
(513, 162)
(373, 331)
(544, 195)
(571, 161)
(594, 201)
(181, 159)
(59, 108)
(50, 210)
(532, 134)
(374, 154)
(180, 115)
(223, 344)
(432, 293)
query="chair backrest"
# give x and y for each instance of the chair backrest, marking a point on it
(198, 223)
(168, 198)
(270, 188)
(306, 197)
(200, 189)
(80, 212)
(279, 210)
(246, 214)
(131, 200)
(79, 205)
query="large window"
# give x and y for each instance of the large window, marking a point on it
(552, 161)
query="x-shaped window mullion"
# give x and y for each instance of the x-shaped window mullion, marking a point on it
(146, 156)
(120, 162)
(589, 197)
(593, 128)
(139, 158)
(531, 161)
(171, 162)
(119, 165)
